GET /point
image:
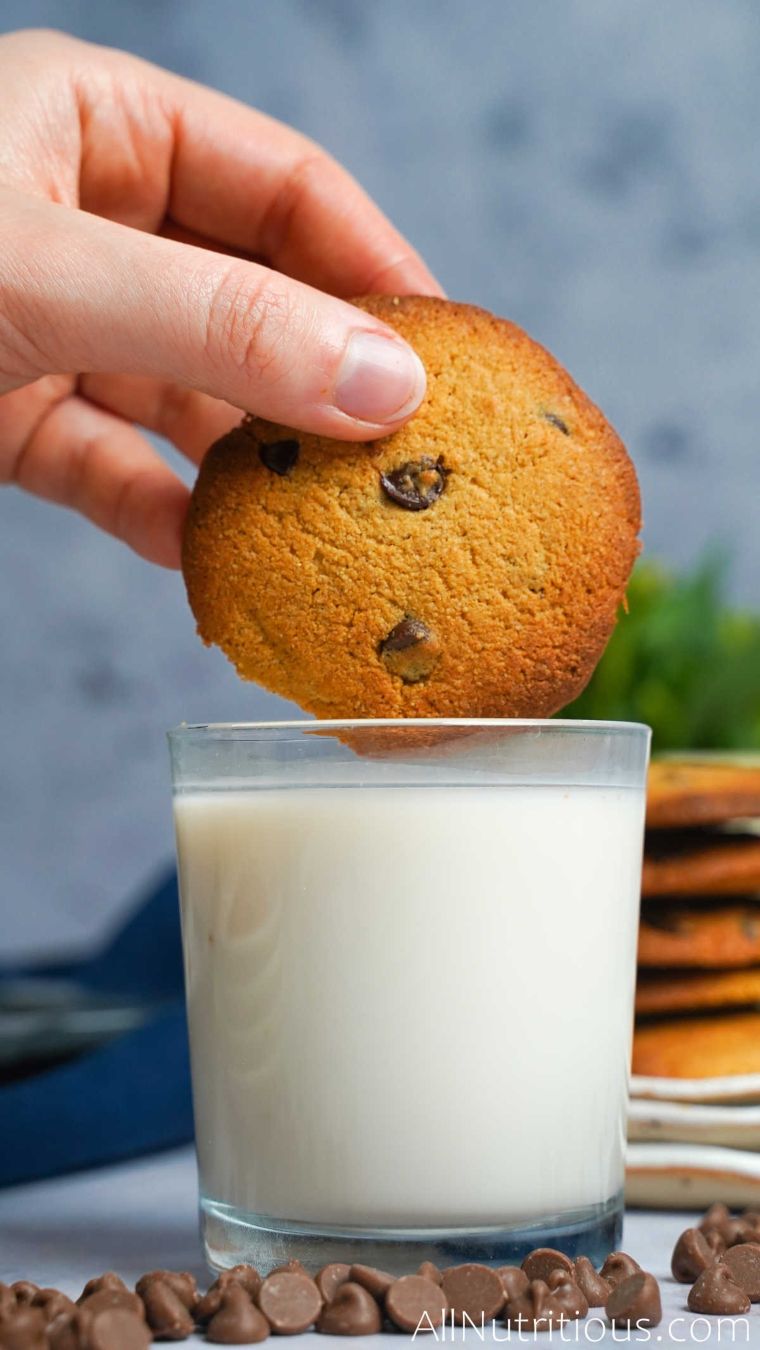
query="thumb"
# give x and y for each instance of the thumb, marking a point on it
(82, 294)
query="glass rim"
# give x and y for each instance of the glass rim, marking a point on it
(307, 725)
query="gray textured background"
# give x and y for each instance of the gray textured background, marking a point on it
(586, 167)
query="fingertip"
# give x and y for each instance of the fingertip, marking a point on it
(381, 380)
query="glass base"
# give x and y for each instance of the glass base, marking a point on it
(231, 1236)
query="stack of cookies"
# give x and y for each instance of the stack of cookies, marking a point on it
(695, 1113)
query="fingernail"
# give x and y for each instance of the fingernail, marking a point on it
(380, 379)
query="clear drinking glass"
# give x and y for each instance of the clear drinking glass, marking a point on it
(410, 957)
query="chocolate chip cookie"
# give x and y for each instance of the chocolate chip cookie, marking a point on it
(471, 564)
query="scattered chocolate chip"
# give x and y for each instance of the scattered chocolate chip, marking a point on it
(429, 1271)
(635, 1302)
(532, 1310)
(52, 1303)
(540, 1262)
(329, 1279)
(377, 1282)
(23, 1328)
(352, 1312)
(237, 1320)
(416, 484)
(617, 1267)
(166, 1313)
(594, 1288)
(568, 1301)
(108, 1281)
(114, 1298)
(557, 421)
(410, 650)
(743, 1262)
(715, 1292)
(691, 1255)
(290, 1302)
(715, 1216)
(473, 1292)
(249, 1277)
(714, 1239)
(279, 456)
(416, 1304)
(292, 1267)
(513, 1279)
(24, 1291)
(181, 1282)
(63, 1331)
(97, 1324)
(207, 1306)
(734, 1231)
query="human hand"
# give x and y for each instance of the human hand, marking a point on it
(170, 256)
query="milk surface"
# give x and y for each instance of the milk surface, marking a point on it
(410, 1006)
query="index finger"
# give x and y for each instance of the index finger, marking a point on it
(253, 184)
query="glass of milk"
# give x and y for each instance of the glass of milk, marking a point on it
(410, 956)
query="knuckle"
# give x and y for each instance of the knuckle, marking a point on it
(248, 321)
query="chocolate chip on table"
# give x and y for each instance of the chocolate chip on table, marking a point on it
(249, 1277)
(533, 1309)
(292, 1267)
(99, 1325)
(635, 1302)
(429, 1271)
(557, 421)
(410, 650)
(715, 1293)
(352, 1312)
(743, 1261)
(594, 1288)
(246, 1276)
(22, 1327)
(290, 1302)
(473, 1291)
(715, 1216)
(513, 1279)
(618, 1266)
(52, 1303)
(24, 1291)
(691, 1255)
(166, 1313)
(181, 1281)
(237, 1320)
(329, 1279)
(567, 1298)
(714, 1239)
(538, 1263)
(376, 1282)
(416, 484)
(108, 1281)
(279, 456)
(114, 1298)
(414, 1303)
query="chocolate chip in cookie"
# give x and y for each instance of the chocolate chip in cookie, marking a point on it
(279, 456)
(416, 484)
(410, 650)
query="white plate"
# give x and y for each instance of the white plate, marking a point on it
(736, 1088)
(690, 1176)
(694, 1123)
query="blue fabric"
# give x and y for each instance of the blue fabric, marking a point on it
(129, 1096)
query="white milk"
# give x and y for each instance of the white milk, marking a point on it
(410, 1006)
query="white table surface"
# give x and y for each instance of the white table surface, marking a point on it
(142, 1215)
